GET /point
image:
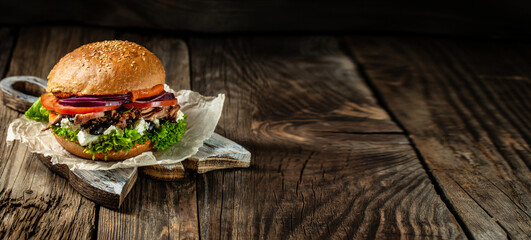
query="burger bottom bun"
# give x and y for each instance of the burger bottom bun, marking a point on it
(77, 150)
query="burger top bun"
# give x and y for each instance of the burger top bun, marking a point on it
(108, 67)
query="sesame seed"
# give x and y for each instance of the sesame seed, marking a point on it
(103, 55)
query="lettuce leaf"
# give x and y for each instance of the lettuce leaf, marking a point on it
(68, 134)
(168, 134)
(162, 137)
(115, 141)
(37, 112)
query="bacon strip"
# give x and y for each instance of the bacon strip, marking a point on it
(173, 111)
(83, 118)
(160, 112)
(55, 120)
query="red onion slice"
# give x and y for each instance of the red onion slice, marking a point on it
(97, 98)
(111, 100)
(92, 103)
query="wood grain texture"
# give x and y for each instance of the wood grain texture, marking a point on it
(306, 87)
(104, 187)
(153, 210)
(157, 209)
(466, 105)
(217, 153)
(35, 202)
(7, 35)
(168, 172)
(320, 168)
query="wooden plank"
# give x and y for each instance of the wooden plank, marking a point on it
(153, 210)
(157, 209)
(36, 202)
(20, 92)
(7, 35)
(320, 167)
(105, 187)
(310, 95)
(465, 104)
(441, 17)
(218, 153)
(167, 172)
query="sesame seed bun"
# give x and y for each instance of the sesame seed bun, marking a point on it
(108, 67)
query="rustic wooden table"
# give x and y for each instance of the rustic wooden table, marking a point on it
(352, 137)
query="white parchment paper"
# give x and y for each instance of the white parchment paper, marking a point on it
(203, 116)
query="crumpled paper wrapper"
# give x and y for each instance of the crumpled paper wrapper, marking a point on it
(203, 116)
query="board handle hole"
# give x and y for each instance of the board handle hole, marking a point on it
(29, 88)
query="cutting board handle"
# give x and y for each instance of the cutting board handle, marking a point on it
(20, 92)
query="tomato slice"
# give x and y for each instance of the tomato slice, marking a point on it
(50, 102)
(146, 92)
(151, 104)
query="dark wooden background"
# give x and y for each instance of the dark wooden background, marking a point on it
(509, 18)
(366, 119)
(352, 136)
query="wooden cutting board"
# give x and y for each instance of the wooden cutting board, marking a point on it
(110, 187)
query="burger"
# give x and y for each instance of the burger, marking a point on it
(106, 101)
